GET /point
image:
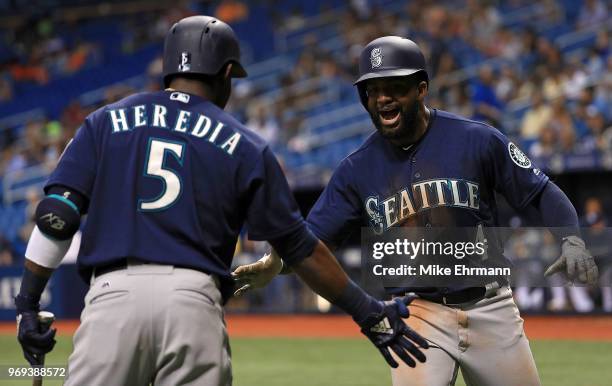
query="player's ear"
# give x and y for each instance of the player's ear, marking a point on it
(422, 89)
(224, 86)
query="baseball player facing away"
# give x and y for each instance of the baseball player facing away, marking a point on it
(432, 154)
(168, 179)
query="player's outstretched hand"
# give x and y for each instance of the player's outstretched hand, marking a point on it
(576, 261)
(34, 341)
(257, 274)
(386, 329)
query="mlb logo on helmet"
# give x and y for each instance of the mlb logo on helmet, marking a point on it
(185, 62)
(376, 57)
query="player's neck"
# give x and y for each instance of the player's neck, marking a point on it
(192, 87)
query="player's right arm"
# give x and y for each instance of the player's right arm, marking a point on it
(273, 215)
(334, 215)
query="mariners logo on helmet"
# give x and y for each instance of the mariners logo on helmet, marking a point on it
(185, 62)
(376, 57)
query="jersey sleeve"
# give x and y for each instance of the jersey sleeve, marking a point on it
(77, 165)
(337, 212)
(512, 172)
(272, 211)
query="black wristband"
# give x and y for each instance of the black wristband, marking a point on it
(32, 285)
(356, 302)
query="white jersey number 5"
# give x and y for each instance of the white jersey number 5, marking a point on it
(155, 167)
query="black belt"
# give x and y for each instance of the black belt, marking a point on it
(115, 266)
(123, 264)
(463, 296)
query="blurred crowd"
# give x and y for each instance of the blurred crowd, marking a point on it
(524, 85)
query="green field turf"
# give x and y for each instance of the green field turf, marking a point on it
(352, 362)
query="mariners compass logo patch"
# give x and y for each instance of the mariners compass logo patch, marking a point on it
(518, 157)
(376, 57)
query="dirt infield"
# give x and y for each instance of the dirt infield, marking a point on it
(331, 326)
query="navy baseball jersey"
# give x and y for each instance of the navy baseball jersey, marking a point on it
(446, 179)
(171, 178)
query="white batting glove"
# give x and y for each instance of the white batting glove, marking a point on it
(257, 274)
(576, 261)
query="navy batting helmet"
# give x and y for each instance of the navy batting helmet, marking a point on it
(386, 57)
(201, 45)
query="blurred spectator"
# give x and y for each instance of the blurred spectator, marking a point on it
(506, 87)
(78, 57)
(592, 12)
(294, 20)
(602, 43)
(484, 20)
(232, 11)
(33, 71)
(577, 80)
(593, 213)
(459, 102)
(33, 197)
(553, 11)
(306, 67)
(73, 116)
(361, 8)
(596, 125)
(487, 106)
(529, 40)
(507, 45)
(598, 239)
(560, 117)
(528, 87)
(554, 83)
(263, 123)
(546, 146)
(536, 117)
(6, 252)
(567, 141)
(595, 65)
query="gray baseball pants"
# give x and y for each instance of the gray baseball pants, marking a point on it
(151, 324)
(486, 340)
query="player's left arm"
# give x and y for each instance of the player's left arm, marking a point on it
(529, 190)
(557, 213)
(57, 217)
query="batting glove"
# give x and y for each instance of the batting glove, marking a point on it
(576, 261)
(386, 329)
(257, 274)
(34, 341)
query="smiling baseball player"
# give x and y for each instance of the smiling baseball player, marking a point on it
(425, 167)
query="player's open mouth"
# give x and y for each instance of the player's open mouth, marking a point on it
(389, 116)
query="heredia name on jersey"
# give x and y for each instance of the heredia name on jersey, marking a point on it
(155, 115)
(421, 196)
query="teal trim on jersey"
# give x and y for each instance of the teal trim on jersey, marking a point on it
(65, 201)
